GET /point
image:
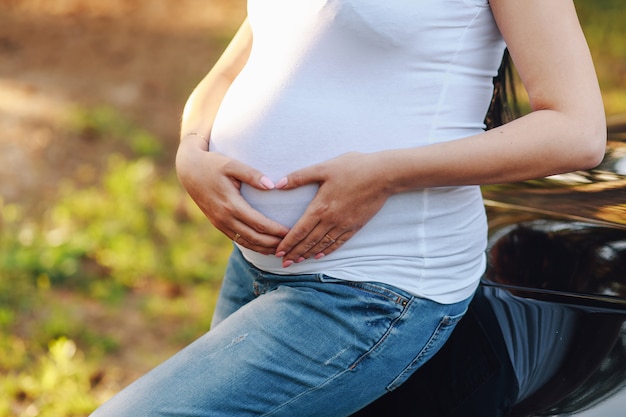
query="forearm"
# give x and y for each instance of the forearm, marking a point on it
(541, 143)
(204, 102)
(202, 105)
(565, 132)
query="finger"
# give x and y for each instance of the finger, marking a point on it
(307, 248)
(324, 246)
(250, 239)
(339, 242)
(304, 176)
(249, 175)
(236, 216)
(315, 242)
(248, 244)
(298, 241)
(256, 227)
(322, 243)
(255, 236)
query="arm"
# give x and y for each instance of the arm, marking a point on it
(213, 180)
(566, 131)
(204, 101)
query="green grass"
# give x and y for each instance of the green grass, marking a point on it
(603, 24)
(100, 123)
(134, 236)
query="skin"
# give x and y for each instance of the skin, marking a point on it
(565, 131)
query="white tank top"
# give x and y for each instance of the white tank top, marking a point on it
(326, 77)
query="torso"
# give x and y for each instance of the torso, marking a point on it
(326, 77)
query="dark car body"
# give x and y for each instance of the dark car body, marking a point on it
(545, 334)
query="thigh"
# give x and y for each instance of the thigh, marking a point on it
(375, 350)
(470, 376)
(303, 348)
(237, 287)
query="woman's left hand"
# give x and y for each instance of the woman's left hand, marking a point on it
(352, 189)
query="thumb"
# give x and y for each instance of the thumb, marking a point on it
(250, 176)
(299, 178)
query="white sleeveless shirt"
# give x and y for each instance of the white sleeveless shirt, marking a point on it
(326, 77)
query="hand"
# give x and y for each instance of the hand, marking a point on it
(352, 190)
(214, 181)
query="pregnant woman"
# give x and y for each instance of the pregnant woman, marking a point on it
(340, 145)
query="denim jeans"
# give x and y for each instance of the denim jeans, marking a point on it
(294, 346)
(471, 376)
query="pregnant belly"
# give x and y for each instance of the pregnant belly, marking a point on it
(284, 207)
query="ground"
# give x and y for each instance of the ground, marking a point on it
(140, 56)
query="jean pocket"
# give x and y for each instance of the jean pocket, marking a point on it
(372, 289)
(438, 338)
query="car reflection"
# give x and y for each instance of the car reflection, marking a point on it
(516, 356)
(557, 259)
(597, 195)
(544, 335)
(620, 166)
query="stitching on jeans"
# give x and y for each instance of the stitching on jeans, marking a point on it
(383, 338)
(373, 288)
(392, 325)
(445, 323)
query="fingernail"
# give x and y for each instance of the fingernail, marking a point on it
(282, 182)
(301, 259)
(319, 255)
(287, 264)
(280, 254)
(267, 183)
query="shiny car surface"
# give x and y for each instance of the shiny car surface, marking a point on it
(546, 332)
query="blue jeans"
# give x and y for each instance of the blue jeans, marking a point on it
(294, 346)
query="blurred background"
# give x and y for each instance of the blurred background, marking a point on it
(106, 266)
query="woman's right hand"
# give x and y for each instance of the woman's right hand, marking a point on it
(214, 181)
